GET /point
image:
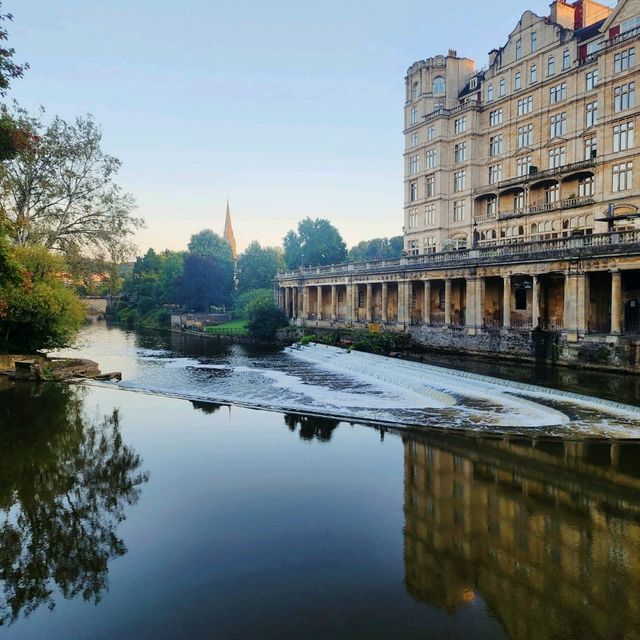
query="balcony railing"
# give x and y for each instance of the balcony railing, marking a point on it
(567, 203)
(617, 241)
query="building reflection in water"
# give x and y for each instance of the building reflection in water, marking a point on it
(311, 427)
(66, 480)
(546, 532)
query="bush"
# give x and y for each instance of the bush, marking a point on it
(265, 321)
(249, 300)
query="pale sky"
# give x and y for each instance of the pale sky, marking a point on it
(292, 109)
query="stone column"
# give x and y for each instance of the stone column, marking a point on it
(318, 303)
(616, 302)
(385, 303)
(535, 302)
(369, 302)
(403, 303)
(305, 303)
(570, 317)
(506, 302)
(471, 305)
(334, 303)
(447, 302)
(287, 301)
(426, 303)
(294, 302)
(582, 303)
(348, 301)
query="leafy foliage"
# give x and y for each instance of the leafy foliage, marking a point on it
(376, 249)
(257, 267)
(59, 192)
(9, 70)
(248, 300)
(37, 310)
(317, 242)
(204, 282)
(265, 320)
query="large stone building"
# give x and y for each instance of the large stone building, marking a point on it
(521, 198)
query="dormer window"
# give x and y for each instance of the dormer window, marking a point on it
(628, 25)
(439, 86)
(474, 83)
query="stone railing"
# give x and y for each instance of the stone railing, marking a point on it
(618, 242)
(566, 203)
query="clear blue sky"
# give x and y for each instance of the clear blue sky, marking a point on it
(293, 109)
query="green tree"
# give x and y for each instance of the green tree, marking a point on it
(9, 69)
(376, 249)
(317, 242)
(205, 281)
(257, 267)
(208, 243)
(60, 191)
(265, 320)
(37, 310)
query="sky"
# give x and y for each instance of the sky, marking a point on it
(290, 109)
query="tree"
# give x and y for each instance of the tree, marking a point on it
(9, 70)
(265, 320)
(59, 191)
(257, 267)
(204, 282)
(317, 242)
(376, 249)
(37, 310)
(208, 243)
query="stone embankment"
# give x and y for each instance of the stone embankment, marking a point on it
(40, 368)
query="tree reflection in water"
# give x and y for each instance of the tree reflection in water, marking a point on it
(311, 427)
(65, 480)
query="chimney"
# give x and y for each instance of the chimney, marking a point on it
(562, 14)
(453, 53)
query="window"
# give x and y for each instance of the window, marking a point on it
(490, 92)
(551, 193)
(533, 74)
(586, 187)
(522, 166)
(460, 152)
(473, 83)
(431, 158)
(439, 86)
(628, 25)
(518, 49)
(413, 191)
(459, 180)
(414, 91)
(622, 176)
(557, 93)
(414, 139)
(591, 114)
(556, 157)
(412, 248)
(551, 66)
(458, 210)
(430, 186)
(517, 81)
(492, 205)
(558, 125)
(429, 244)
(590, 148)
(412, 220)
(592, 48)
(623, 136)
(518, 201)
(624, 60)
(592, 79)
(525, 136)
(413, 115)
(624, 96)
(502, 87)
(430, 214)
(566, 59)
(431, 133)
(525, 105)
(495, 145)
(460, 125)
(495, 117)
(534, 41)
(414, 164)
(495, 173)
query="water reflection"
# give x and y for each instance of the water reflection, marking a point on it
(65, 480)
(547, 533)
(311, 427)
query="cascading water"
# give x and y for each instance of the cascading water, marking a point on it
(318, 379)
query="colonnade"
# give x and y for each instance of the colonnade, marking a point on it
(575, 302)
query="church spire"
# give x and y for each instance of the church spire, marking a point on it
(228, 233)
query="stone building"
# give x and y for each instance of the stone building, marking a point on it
(521, 199)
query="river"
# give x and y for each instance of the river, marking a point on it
(169, 506)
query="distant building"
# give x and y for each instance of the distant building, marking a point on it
(228, 233)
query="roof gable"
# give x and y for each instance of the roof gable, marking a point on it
(624, 9)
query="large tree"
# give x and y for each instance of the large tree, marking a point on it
(204, 282)
(257, 267)
(9, 69)
(59, 192)
(317, 242)
(376, 249)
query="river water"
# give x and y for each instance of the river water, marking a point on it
(166, 507)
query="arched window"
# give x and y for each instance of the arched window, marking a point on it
(439, 86)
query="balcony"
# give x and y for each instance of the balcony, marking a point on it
(567, 203)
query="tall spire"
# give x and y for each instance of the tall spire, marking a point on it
(228, 233)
